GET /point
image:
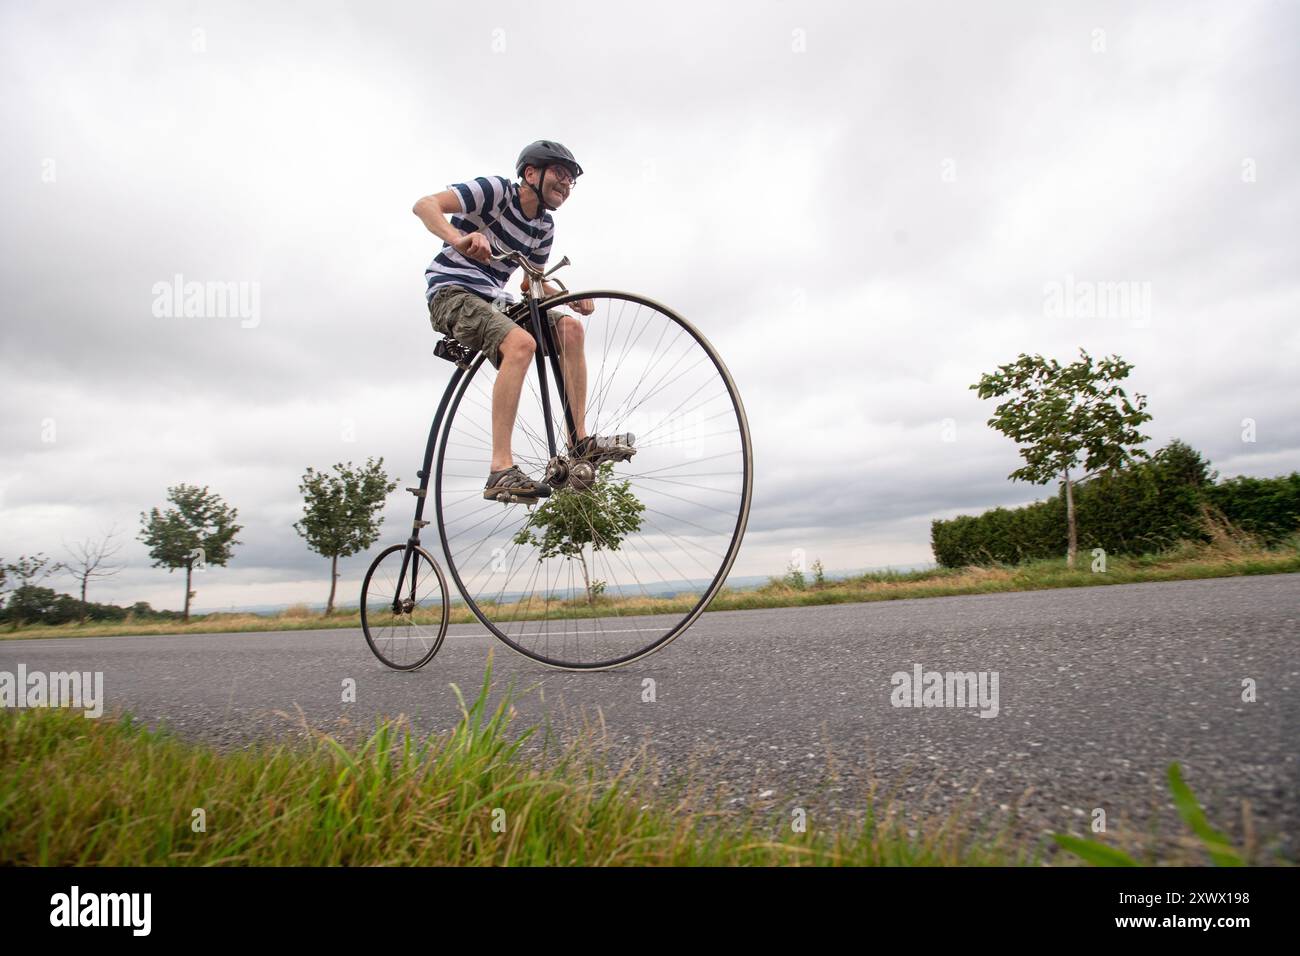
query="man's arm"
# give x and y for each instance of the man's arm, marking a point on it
(433, 211)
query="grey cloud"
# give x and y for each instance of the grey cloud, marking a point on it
(789, 203)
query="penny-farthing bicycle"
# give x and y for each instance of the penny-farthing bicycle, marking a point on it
(623, 556)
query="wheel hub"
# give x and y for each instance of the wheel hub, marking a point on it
(576, 473)
(582, 475)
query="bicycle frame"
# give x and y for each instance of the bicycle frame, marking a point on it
(541, 332)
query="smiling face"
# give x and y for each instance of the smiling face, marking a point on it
(558, 183)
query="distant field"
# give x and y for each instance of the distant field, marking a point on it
(1221, 558)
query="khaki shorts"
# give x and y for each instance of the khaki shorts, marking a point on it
(476, 323)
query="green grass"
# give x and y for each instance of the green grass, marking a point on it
(1224, 557)
(107, 792)
(85, 792)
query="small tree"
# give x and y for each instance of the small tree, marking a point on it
(569, 520)
(342, 513)
(200, 527)
(90, 560)
(1059, 415)
(26, 571)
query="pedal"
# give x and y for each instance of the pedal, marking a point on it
(509, 499)
(616, 454)
(421, 524)
(418, 492)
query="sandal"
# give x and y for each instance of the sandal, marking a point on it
(599, 448)
(511, 484)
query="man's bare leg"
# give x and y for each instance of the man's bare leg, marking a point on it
(517, 350)
(573, 359)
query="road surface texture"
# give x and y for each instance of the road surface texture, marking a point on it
(1099, 689)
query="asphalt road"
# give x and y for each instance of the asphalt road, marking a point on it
(1099, 689)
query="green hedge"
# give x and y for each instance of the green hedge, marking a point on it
(1268, 507)
(33, 604)
(1144, 508)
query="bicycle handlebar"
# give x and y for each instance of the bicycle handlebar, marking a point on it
(535, 274)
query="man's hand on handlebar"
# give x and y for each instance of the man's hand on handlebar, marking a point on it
(582, 306)
(474, 245)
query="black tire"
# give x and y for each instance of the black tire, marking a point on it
(408, 637)
(690, 543)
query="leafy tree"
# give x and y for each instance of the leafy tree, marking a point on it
(27, 570)
(90, 560)
(1064, 418)
(569, 520)
(201, 527)
(343, 512)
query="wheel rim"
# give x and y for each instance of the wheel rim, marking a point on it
(408, 639)
(660, 531)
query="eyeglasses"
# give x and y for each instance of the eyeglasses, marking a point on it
(563, 175)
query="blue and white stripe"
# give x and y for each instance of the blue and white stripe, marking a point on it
(490, 204)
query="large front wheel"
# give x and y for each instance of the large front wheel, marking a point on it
(602, 574)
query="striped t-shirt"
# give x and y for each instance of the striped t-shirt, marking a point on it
(490, 204)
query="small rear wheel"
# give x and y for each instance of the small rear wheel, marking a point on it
(404, 611)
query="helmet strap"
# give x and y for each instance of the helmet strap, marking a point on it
(541, 203)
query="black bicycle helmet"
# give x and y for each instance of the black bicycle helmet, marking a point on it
(543, 154)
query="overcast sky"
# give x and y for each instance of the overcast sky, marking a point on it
(864, 206)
